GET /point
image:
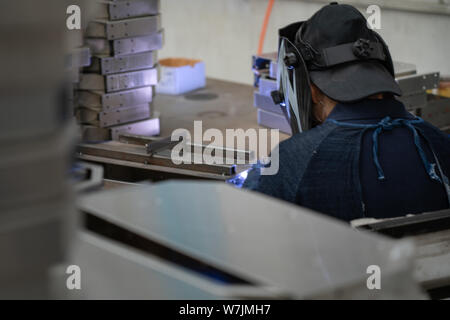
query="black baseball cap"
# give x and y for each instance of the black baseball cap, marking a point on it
(350, 61)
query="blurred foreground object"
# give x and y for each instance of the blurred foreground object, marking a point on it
(142, 242)
(36, 140)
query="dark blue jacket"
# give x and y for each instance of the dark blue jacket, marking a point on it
(369, 159)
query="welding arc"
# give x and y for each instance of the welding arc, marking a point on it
(264, 27)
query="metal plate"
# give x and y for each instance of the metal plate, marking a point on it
(112, 30)
(127, 98)
(415, 84)
(135, 8)
(114, 117)
(145, 128)
(117, 82)
(126, 46)
(274, 121)
(306, 253)
(110, 101)
(143, 271)
(124, 115)
(404, 69)
(266, 103)
(131, 80)
(133, 62)
(138, 44)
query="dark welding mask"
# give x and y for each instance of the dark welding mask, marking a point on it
(337, 52)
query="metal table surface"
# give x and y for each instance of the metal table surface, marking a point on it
(221, 105)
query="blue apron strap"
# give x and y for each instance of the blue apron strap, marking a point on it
(388, 124)
(444, 178)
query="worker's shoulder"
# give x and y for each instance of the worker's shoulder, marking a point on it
(306, 141)
(434, 131)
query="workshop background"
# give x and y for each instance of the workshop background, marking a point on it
(92, 205)
(225, 34)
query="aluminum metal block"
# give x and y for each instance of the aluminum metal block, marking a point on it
(112, 30)
(114, 117)
(126, 46)
(415, 84)
(109, 65)
(109, 101)
(404, 69)
(118, 82)
(116, 10)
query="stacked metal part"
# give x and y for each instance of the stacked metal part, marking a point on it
(417, 96)
(269, 114)
(36, 140)
(115, 92)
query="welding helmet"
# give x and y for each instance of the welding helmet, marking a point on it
(336, 51)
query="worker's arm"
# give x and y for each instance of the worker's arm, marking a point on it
(284, 183)
(294, 155)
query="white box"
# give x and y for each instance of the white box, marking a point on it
(179, 76)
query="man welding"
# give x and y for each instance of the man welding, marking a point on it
(355, 152)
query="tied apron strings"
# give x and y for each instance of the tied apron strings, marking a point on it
(388, 124)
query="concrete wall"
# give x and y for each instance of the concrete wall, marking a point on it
(225, 34)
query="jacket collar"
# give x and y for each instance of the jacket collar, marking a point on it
(369, 109)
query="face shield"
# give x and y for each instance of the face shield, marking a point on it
(299, 65)
(293, 83)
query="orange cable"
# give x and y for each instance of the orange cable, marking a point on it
(264, 27)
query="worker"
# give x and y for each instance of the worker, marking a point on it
(364, 155)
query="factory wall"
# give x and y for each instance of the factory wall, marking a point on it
(225, 34)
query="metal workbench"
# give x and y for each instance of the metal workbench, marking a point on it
(221, 105)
